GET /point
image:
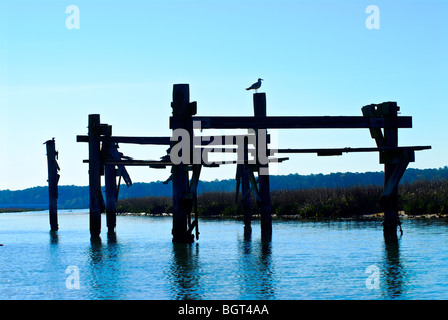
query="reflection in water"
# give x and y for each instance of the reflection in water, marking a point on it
(184, 271)
(105, 268)
(256, 268)
(95, 251)
(395, 284)
(54, 238)
(253, 273)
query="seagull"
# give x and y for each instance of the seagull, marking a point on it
(256, 85)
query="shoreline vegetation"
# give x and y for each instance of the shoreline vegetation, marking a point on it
(10, 210)
(419, 199)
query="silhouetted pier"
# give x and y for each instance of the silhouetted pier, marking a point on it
(187, 155)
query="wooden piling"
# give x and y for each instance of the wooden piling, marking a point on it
(182, 112)
(53, 179)
(110, 182)
(95, 175)
(263, 169)
(242, 177)
(111, 197)
(246, 192)
(390, 111)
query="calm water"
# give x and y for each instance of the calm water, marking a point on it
(304, 260)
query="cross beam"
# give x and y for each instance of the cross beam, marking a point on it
(325, 122)
(205, 140)
(340, 151)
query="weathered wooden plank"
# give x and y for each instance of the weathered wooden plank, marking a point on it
(137, 162)
(115, 155)
(131, 140)
(375, 133)
(205, 140)
(276, 122)
(395, 176)
(169, 163)
(339, 151)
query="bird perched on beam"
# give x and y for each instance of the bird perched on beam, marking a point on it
(256, 85)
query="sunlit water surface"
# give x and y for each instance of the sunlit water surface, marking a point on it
(303, 260)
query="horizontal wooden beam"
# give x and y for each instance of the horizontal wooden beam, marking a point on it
(205, 140)
(160, 164)
(229, 139)
(339, 151)
(325, 122)
(134, 162)
(133, 140)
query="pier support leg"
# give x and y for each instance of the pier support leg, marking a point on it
(110, 180)
(263, 167)
(180, 214)
(53, 179)
(95, 175)
(245, 190)
(395, 162)
(390, 203)
(265, 204)
(182, 210)
(111, 200)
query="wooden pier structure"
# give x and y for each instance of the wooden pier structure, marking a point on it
(187, 154)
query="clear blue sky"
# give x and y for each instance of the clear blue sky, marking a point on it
(317, 58)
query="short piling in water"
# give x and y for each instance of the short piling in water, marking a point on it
(242, 177)
(53, 179)
(110, 181)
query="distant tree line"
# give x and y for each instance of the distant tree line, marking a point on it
(72, 197)
(417, 198)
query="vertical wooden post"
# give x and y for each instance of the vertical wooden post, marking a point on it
(245, 190)
(110, 183)
(263, 170)
(111, 200)
(390, 111)
(53, 178)
(95, 175)
(181, 112)
(245, 187)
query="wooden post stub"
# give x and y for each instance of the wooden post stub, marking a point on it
(53, 179)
